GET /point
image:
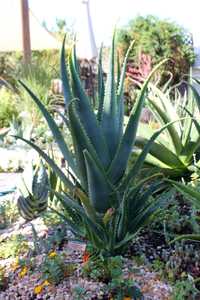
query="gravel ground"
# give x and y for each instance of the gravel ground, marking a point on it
(23, 288)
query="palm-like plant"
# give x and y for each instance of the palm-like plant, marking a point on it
(173, 153)
(99, 193)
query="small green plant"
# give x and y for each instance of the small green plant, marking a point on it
(3, 222)
(79, 292)
(34, 190)
(54, 240)
(38, 77)
(122, 289)
(158, 265)
(3, 279)
(104, 269)
(178, 217)
(110, 271)
(54, 268)
(13, 246)
(8, 213)
(192, 194)
(8, 104)
(185, 290)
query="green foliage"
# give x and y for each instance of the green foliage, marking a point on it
(51, 218)
(38, 76)
(79, 292)
(8, 110)
(174, 151)
(178, 217)
(8, 213)
(159, 39)
(185, 290)
(8, 64)
(103, 268)
(33, 199)
(13, 247)
(122, 288)
(54, 240)
(98, 190)
(193, 195)
(54, 268)
(3, 223)
(110, 271)
(3, 279)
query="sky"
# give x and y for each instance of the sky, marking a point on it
(107, 13)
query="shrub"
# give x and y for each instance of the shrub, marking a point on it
(8, 110)
(159, 39)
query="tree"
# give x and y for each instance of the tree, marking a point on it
(160, 39)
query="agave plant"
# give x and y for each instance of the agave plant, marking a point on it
(33, 192)
(100, 194)
(174, 152)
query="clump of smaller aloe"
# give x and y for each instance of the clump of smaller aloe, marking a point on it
(99, 191)
(33, 192)
(175, 151)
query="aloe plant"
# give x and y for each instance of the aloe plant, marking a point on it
(99, 193)
(33, 192)
(174, 152)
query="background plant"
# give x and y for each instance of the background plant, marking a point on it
(39, 77)
(175, 152)
(8, 107)
(159, 39)
(14, 246)
(8, 213)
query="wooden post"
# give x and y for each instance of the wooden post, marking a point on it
(26, 31)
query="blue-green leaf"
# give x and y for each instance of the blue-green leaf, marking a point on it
(51, 163)
(119, 163)
(98, 186)
(54, 129)
(65, 77)
(109, 115)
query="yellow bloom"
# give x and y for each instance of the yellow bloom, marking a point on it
(52, 254)
(15, 265)
(23, 272)
(38, 289)
(45, 283)
(127, 298)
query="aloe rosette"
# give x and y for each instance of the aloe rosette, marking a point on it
(104, 201)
